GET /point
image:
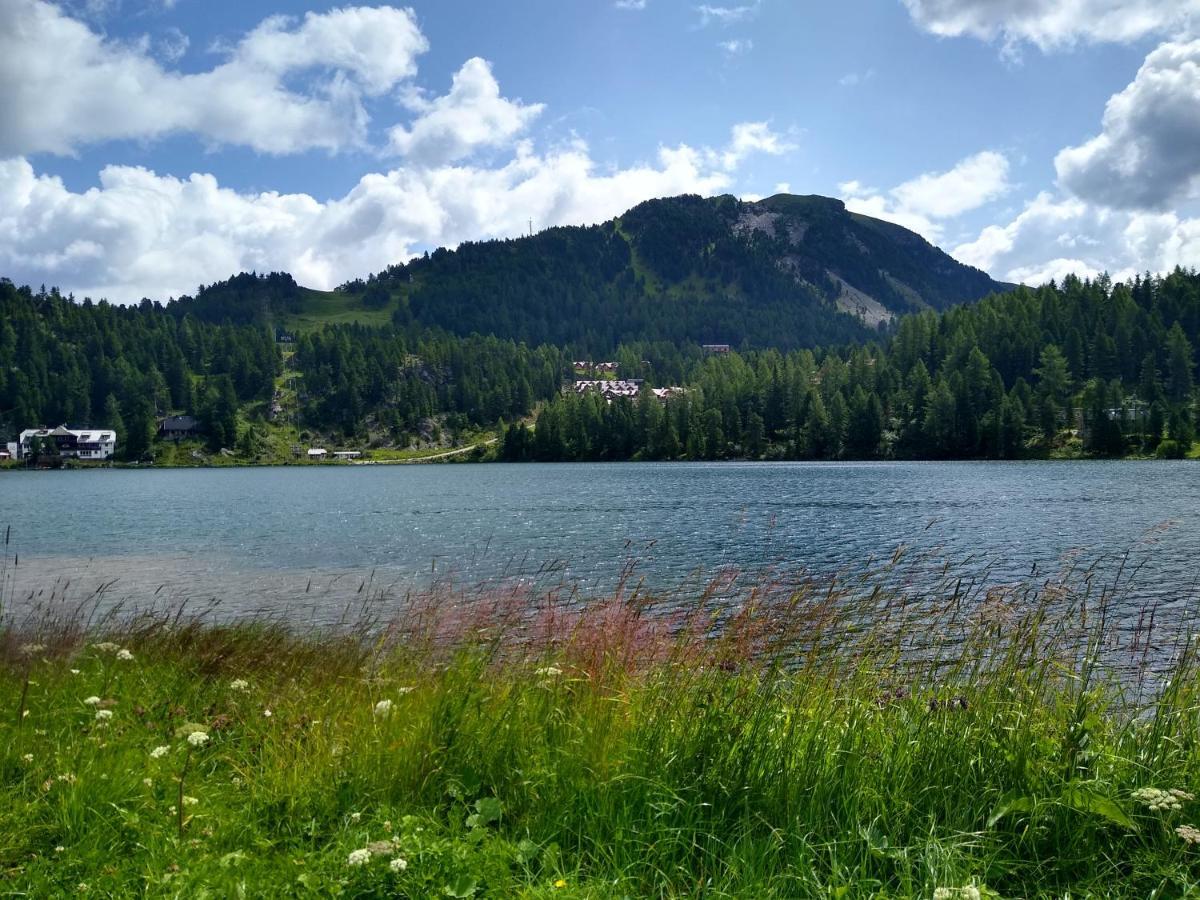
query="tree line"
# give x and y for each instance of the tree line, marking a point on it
(1087, 365)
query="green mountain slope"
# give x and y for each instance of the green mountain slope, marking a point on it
(786, 272)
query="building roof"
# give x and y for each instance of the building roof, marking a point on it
(180, 423)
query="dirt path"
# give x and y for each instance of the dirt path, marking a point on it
(425, 459)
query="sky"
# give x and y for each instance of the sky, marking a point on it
(151, 146)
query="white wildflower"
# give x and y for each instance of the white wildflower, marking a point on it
(383, 708)
(398, 864)
(28, 757)
(546, 671)
(267, 713)
(148, 782)
(106, 647)
(59, 849)
(91, 701)
(358, 857)
(1158, 800)
(160, 752)
(190, 801)
(239, 684)
(32, 649)
(103, 715)
(75, 671)
(124, 655)
(355, 816)
(404, 690)
(1189, 834)
(198, 738)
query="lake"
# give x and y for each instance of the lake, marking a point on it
(264, 538)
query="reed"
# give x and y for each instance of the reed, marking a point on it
(903, 730)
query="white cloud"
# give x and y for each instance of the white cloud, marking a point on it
(1054, 236)
(922, 203)
(753, 137)
(1053, 23)
(286, 86)
(630, 4)
(173, 45)
(472, 115)
(1147, 154)
(737, 46)
(143, 234)
(727, 15)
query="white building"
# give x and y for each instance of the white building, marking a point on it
(317, 453)
(81, 443)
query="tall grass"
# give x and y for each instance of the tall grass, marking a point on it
(896, 732)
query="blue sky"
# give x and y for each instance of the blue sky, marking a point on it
(149, 146)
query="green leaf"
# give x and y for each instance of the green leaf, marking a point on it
(487, 811)
(1009, 805)
(1086, 800)
(463, 886)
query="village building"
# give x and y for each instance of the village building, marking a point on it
(347, 454)
(85, 443)
(176, 428)
(610, 389)
(668, 393)
(715, 348)
(317, 453)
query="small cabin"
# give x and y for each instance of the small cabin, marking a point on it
(317, 453)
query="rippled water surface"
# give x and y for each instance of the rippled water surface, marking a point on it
(261, 536)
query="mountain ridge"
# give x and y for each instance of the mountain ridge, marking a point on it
(786, 271)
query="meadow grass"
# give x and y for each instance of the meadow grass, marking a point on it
(895, 734)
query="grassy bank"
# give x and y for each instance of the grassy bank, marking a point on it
(833, 739)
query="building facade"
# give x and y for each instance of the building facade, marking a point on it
(81, 443)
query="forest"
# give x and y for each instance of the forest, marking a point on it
(1085, 367)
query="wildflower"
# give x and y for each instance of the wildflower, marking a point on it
(28, 757)
(75, 671)
(545, 671)
(358, 857)
(82, 887)
(968, 892)
(159, 752)
(383, 708)
(148, 782)
(267, 713)
(59, 849)
(190, 801)
(198, 738)
(67, 778)
(106, 647)
(236, 781)
(103, 715)
(124, 655)
(398, 864)
(239, 684)
(561, 883)
(1158, 800)
(355, 816)
(91, 701)
(404, 690)
(32, 649)
(1189, 834)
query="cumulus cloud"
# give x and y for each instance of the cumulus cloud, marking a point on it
(1055, 236)
(288, 85)
(144, 234)
(1147, 154)
(471, 116)
(1053, 23)
(753, 137)
(924, 202)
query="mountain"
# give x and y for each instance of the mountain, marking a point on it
(788, 271)
(785, 272)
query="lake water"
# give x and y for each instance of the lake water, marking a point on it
(262, 537)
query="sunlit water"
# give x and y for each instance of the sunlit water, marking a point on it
(305, 541)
